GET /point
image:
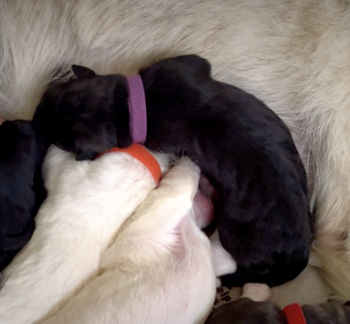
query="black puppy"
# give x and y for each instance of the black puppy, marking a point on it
(22, 151)
(241, 146)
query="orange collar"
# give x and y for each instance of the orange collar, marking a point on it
(294, 314)
(140, 153)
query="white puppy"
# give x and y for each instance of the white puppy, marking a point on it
(158, 270)
(86, 205)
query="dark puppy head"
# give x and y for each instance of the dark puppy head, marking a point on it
(247, 311)
(252, 308)
(89, 114)
(86, 115)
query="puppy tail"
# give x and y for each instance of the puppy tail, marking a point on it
(332, 249)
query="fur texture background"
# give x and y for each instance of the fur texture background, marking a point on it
(294, 55)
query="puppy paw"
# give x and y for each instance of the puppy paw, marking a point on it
(183, 177)
(186, 165)
(256, 292)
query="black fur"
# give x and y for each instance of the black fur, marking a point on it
(247, 311)
(22, 151)
(90, 127)
(243, 148)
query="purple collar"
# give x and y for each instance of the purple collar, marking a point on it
(137, 109)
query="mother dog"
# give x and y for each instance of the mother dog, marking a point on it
(294, 55)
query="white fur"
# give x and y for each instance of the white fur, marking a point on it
(87, 203)
(159, 268)
(222, 260)
(294, 55)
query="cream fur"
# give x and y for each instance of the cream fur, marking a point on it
(256, 292)
(159, 268)
(222, 260)
(294, 55)
(86, 205)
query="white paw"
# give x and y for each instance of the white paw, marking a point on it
(256, 292)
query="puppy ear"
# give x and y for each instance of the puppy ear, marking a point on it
(82, 71)
(195, 63)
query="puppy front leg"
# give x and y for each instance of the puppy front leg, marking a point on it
(182, 179)
(160, 214)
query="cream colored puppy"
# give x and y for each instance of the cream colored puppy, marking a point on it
(86, 205)
(159, 268)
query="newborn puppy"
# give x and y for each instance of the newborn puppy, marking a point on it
(159, 269)
(86, 205)
(240, 145)
(22, 152)
(255, 308)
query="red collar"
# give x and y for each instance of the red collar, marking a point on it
(294, 314)
(140, 153)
